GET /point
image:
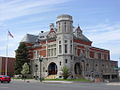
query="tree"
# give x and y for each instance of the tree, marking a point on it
(66, 72)
(22, 56)
(25, 69)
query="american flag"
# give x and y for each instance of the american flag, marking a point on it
(10, 34)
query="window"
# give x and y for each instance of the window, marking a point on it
(65, 26)
(87, 67)
(78, 52)
(36, 68)
(60, 49)
(41, 36)
(48, 52)
(54, 51)
(70, 48)
(59, 42)
(71, 57)
(91, 54)
(99, 55)
(54, 45)
(43, 69)
(60, 63)
(105, 56)
(36, 54)
(65, 41)
(103, 65)
(51, 52)
(65, 48)
(75, 51)
(59, 26)
(65, 60)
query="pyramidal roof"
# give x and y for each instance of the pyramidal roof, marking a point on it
(81, 36)
(29, 38)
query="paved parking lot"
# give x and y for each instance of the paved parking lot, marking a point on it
(36, 85)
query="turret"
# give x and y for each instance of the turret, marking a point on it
(64, 24)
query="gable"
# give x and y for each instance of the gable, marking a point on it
(52, 34)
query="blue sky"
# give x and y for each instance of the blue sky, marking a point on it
(99, 20)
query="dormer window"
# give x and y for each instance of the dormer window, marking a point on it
(41, 36)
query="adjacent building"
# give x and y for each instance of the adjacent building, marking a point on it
(66, 45)
(9, 61)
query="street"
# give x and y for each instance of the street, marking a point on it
(21, 85)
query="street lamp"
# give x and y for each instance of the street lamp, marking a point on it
(36, 68)
(40, 60)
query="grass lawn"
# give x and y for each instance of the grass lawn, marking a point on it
(82, 80)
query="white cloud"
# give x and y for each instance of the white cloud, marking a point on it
(104, 33)
(10, 10)
(105, 36)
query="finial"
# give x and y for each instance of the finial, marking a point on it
(51, 26)
(78, 26)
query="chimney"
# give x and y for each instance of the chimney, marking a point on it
(51, 25)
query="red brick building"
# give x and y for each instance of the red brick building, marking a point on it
(66, 45)
(10, 66)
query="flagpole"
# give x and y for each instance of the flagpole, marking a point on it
(6, 62)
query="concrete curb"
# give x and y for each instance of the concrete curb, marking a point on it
(67, 82)
(114, 84)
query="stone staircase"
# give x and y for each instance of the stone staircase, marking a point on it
(79, 76)
(51, 77)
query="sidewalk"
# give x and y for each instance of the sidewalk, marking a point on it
(64, 82)
(33, 81)
(114, 83)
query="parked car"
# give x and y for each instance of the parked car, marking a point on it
(5, 78)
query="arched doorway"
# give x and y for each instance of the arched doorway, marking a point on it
(77, 69)
(52, 69)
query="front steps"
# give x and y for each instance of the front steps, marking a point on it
(51, 77)
(79, 76)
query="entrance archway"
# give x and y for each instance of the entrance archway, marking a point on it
(78, 69)
(52, 69)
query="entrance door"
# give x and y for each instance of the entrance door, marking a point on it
(77, 69)
(52, 69)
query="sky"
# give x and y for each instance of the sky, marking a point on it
(99, 20)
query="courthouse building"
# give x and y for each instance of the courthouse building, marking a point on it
(65, 45)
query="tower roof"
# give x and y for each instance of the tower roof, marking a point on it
(64, 17)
